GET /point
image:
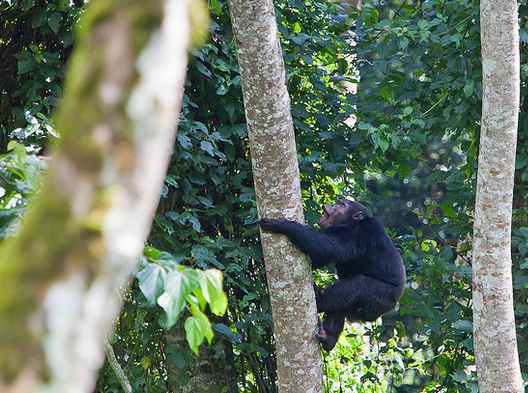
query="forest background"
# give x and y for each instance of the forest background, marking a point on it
(411, 157)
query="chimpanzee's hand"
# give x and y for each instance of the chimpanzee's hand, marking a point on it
(272, 224)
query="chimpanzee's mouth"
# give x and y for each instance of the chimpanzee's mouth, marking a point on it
(325, 216)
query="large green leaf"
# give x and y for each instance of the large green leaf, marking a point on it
(151, 278)
(212, 290)
(197, 328)
(178, 285)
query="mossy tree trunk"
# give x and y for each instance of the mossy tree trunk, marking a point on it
(495, 343)
(278, 193)
(88, 224)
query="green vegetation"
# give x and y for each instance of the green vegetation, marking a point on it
(411, 158)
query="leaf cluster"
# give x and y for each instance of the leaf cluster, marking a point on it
(19, 177)
(173, 286)
(36, 38)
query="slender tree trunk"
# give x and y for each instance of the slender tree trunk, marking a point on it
(88, 224)
(495, 341)
(278, 193)
(206, 373)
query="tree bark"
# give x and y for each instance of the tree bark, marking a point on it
(87, 227)
(278, 193)
(206, 373)
(495, 343)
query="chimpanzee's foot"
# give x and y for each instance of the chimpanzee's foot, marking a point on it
(328, 338)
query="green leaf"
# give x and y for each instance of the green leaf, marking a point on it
(172, 180)
(407, 111)
(419, 122)
(364, 126)
(203, 254)
(384, 145)
(207, 147)
(469, 87)
(523, 35)
(197, 328)
(464, 325)
(188, 217)
(405, 170)
(222, 90)
(178, 285)
(54, 21)
(403, 43)
(207, 201)
(178, 356)
(212, 289)
(216, 7)
(423, 24)
(151, 277)
(447, 209)
(145, 362)
(195, 224)
(11, 145)
(223, 329)
(26, 62)
(203, 69)
(200, 297)
(418, 137)
(184, 141)
(198, 125)
(21, 153)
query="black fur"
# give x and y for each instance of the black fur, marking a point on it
(370, 269)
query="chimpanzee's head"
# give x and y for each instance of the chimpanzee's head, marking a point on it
(342, 212)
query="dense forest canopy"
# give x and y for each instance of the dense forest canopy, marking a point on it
(411, 157)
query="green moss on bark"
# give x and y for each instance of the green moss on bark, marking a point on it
(62, 231)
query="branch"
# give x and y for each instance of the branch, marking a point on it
(118, 370)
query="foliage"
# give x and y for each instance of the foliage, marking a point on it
(19, 177)
(207, 214)
(173, 286)
(412, 158)
(418, 116)
(36, 37)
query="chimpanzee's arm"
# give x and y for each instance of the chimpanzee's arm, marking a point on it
(322, 247)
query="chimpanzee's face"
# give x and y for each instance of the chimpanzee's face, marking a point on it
(342, 212)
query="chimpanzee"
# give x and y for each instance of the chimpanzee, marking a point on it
(370, 269)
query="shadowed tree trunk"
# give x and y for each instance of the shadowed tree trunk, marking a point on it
(278, 193)
(495, 341)
(88, 224)
(206, 373)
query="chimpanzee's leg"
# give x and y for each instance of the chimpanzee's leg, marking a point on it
(359, 298)
(330, 329)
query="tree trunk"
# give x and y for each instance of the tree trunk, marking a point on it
(495, 341)
(278, 193)
(207, 373)
(88, 224)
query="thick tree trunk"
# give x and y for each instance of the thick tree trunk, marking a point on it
(88, 225)
(495, 341)
(278, 193)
